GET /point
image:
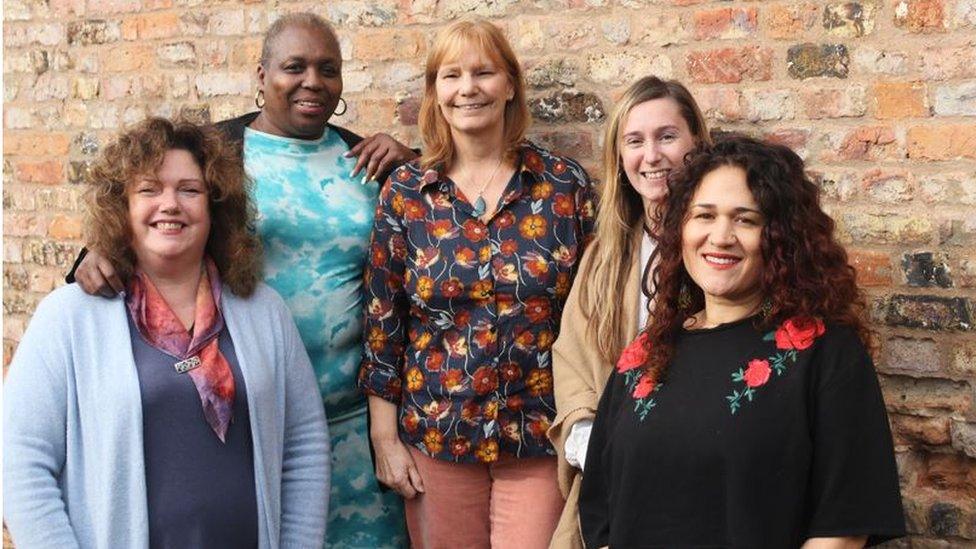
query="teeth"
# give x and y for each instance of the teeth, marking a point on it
(721, 260)
(310, 103)
(470, 107)
(657, 174)
(165, 226)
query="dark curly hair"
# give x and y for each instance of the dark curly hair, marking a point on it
(232, 244)
(805, 274)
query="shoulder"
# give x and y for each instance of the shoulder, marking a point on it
(543, 161)
(411, 176)
(71, 301)
(234, 128)
(264, 300)
(351, 138)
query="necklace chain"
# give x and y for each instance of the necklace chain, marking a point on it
(480, 206)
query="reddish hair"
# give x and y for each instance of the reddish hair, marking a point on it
(806, 273)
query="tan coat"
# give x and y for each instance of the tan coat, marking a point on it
(579, 376)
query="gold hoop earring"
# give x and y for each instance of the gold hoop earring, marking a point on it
(345, 108)
(259, 99)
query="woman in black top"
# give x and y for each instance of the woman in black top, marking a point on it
(748, 414)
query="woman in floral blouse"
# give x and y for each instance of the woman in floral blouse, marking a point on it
(473, 252)
(749, 413)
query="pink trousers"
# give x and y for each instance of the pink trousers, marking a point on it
(510, 504)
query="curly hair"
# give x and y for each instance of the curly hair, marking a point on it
(805, 273)
(232, 244)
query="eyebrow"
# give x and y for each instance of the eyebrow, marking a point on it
(740, 209)
(656, 130)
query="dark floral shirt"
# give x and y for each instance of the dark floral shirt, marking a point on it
(461, 315)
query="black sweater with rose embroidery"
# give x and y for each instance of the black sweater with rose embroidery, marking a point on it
(754, 440)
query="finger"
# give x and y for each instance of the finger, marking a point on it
(354, 151)
(110, 278)
(373, 169)
(415, 479)
(406, 490)
(86, 283)
(364, 154)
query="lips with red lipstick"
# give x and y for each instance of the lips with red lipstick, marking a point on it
(721, 261)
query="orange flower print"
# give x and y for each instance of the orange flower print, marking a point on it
(481, 291)
(456, 344)
(437, 409)
(562, 285)
(414, 210)
(462, 318)
(586, 209)
(544, 340)
(508, 247)
(465, 257)
(452, 380)
(411, 420)
(442, 229)
(484, 254)
(533, 226)
(379, 309)
(435, 360)
(510, 371)
(394, 282)
(514, 403)
(475, 231)
(504, 220)
(398, 205)
(398, 247)
(559, 167)
(376, 339)
(426, 257)
(377, 255)
(537, 309)
(535, 264)
(541, 190)
(505, 272)
(565, 256)
(452, 287)
(539, 382)
(415, 379)
(421, 342)
(491, 410)
(459, 446)
(564, 205)
(485, 380)
(534, 162)
(538, 425)
(402, 174)
(525, 341)
(511, 431)
(487, 450)
(484, 335)
(425, 287)
(470, 412)
(433, 441)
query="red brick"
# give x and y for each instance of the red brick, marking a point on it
(730, 65)
(725, 23)
(148, 26)
(888, 186)
(911, 430)
(873, 268)
(720, 104)
(386, 44)
(919, 15)
(36, 144)
(950, 474)
(65, 227)
(789, 22)
(867, 143)
(49, 172)
(900, 100)
(127, 57)
(833, 103)
(942, 142)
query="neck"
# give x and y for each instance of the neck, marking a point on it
(722, 311)
(478, 149)
(650, 214)
(263, 124)
(178, 287)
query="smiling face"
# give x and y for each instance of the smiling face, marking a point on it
(654, 139)
(721, 240)
(472, 92)
(169, 214)
(302, 82)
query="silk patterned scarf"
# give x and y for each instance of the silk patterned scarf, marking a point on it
(161, 329)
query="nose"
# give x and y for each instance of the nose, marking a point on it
(722, 234)
(652, 152)
(467, 85)
(312, 79)
(169, 201)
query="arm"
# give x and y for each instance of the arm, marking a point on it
(95, 274)
(306, 457)
(386, 315)
(378, 154)
(34, 437)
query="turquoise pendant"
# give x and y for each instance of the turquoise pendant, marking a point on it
(479, 206)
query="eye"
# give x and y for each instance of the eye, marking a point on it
(668, 137)
(293, 68)
(329, 70)
(749, 221)
(633, 142)
(703, 215)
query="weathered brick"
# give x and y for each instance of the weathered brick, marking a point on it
(226, 23)
(873, 268)
(577, 145)
(658, 30)
(45, 34)
(149, 26)
(918, 357)
(621, 67)
(870, 60)
(401, 75)
(616, 31)
(725, 23)
(965, 14)
(926, 270)
(849, 19)
(786, 22)
(900, 100)
(36, 144)
(83, 87)
(720, 104)
(817, 60)
(942, 142)
(50, 254)
(863, 143)
(943, 519)
(23, 224)
(178, 53)
(212, 53)
(78, 170)
(194, 23)
(926, 397)
(956, 100)
(950, 473)
(363, 14)
(211, 84)
(964, 437)
(730, 65)
(919, 15)
(840, 185)
(557, 71)
(567, 107)
(766, 105)
(114, 6)
(886, 228)
(18, 304)
(247, 52)
(913, 430)
(849, 102)
(928, 312)
(966, 273)
(48, 172)
(408, 110)
(386, 44)
(127, 57)
(15, 278)
(457, 8)
(888, 186)
(42, 281)
(65, 227)
(794, 138)
(958, 232)
(945, 63)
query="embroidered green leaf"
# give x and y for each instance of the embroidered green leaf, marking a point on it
(771, 336)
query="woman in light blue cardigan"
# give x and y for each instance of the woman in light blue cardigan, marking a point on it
(184, 413)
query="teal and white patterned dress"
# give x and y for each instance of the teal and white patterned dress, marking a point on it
(315, 223)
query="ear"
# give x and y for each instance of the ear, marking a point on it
(260, 74)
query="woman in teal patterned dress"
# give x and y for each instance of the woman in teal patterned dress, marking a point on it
(314, 219)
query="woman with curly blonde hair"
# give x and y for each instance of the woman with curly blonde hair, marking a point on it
(184, 412)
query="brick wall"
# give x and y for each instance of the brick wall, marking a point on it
(878, 96)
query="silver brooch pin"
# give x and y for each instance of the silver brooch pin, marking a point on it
(185, 366)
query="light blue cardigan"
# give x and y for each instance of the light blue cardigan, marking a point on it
(73, 470)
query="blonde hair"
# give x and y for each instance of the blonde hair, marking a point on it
(456, 38)
(619, 212)
(232, 244)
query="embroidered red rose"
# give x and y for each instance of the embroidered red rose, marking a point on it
(634, 355)
(798, 333)
(757, 373)
(644, 386)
